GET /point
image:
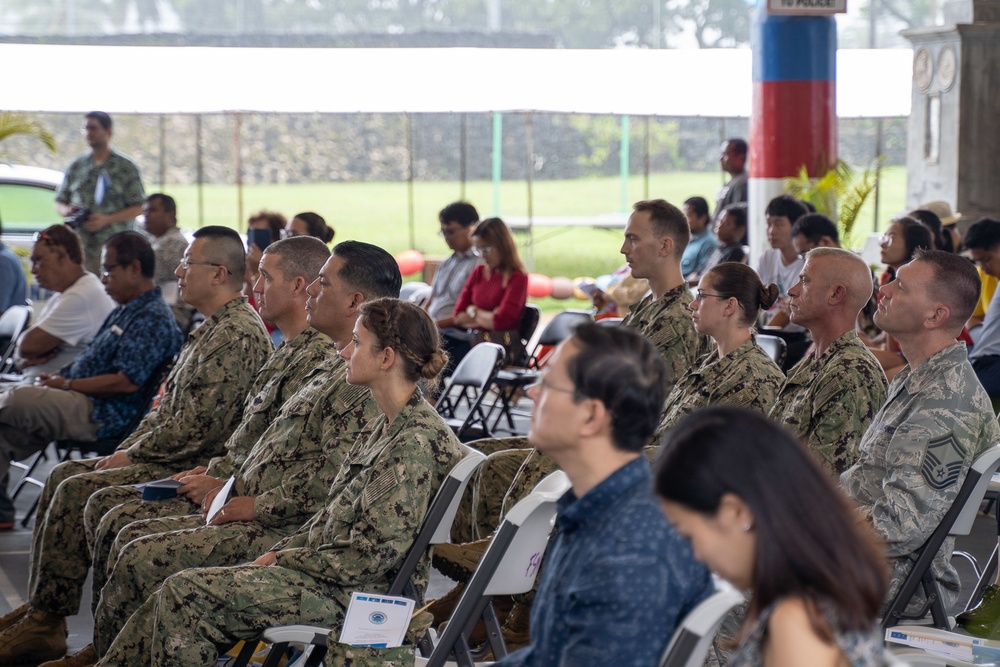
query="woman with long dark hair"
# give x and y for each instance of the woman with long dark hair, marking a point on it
(764, 516)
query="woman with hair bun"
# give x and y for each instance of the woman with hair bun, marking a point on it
(738, 372)
(310, 224)
(762, 514)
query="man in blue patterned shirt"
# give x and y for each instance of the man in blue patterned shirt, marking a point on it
(98, 395)
(617, 578)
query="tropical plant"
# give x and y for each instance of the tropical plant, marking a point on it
(839, 193)
(13, 124)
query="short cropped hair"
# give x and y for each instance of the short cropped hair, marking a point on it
(983, 235)
(698, 205)
(299, 256)
(461, 212)
(814, 226)
(956, 283)
(369, 269)
(622, 369)
(65, 237)
(168, 203)
(785, 206)
(740, 146)
(132, 246)
(225, 247)
(101, 117)
(667, 220)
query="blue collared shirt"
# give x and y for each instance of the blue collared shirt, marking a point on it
(616, 580)
(697, 251)
(134, 339)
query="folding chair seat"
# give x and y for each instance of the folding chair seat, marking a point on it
(956, 522)
(436, 529)
(65, 448)
(467, 387)
(512, 379)
(693, 637)
(774, 346)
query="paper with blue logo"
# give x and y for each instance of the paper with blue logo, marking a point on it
(376, 620)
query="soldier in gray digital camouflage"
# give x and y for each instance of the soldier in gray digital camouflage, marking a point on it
(937, 419)
(355, 543)
(830, 397)
(280, 483)
(655, 237)
(725, 307)
(195, 413)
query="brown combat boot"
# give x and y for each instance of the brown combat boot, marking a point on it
(37, 637)
(12, 617)
(87, 657)
(458, 561)
(515, 628)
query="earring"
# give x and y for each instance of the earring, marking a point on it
(748, 526)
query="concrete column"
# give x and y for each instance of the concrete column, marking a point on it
(794, 120)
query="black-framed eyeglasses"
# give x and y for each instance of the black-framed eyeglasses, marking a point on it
(185, 263)
(701, 296)
(106, 269)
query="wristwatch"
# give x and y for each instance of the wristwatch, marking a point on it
(68, 384)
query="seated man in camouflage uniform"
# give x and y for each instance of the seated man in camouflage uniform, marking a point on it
(937, 419)
(830, 396)
(195, 413)
(280, 483)
(357, 542)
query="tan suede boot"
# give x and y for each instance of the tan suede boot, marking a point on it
(37, 637)
(86, 657)
(12, 617)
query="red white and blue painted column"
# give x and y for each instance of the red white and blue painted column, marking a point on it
(794, 118)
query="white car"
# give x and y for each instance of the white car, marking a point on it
(27, 196)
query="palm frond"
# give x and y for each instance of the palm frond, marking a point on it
(14, 124)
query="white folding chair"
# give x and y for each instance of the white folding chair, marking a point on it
(508, 567)
(956, 522)
(436, 529)
(468, 385)
(693, 637)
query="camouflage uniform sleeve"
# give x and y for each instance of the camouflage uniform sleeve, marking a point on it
(203, 401)
(916, 495)
(373, 521)
(842, 411)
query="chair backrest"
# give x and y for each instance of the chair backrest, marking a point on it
(526, 329)
(509, 566)
(436, 527)
(562, 326)
(774, 346)
(692, 639)
(956, 521)
(415, 292)
(12, 323)
(468, 384)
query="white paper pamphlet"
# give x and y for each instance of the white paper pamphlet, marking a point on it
(376, 620)
(220, 499)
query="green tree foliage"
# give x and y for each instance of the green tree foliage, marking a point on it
(17, 124)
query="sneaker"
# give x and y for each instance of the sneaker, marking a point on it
(983, 620)
(37, 637)
(12, 617)
(85, 658)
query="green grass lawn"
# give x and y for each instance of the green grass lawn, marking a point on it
(378, 212)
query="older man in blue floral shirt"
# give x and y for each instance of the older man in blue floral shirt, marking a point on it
(617, 578)
(98, 395)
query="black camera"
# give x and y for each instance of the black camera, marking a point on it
(78, 218)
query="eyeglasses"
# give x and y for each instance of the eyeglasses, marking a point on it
(107, 269)
(185, 263)
(541, 383)
(448, 233)
(484, 250)
(701, 296)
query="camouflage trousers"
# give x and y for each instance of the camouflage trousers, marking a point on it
(146, 552)
(480, 510)
(60, 555)
(198, 612)
(111, 509)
